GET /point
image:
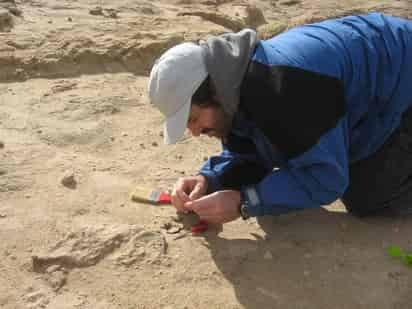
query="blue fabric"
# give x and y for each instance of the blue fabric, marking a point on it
(372, 56)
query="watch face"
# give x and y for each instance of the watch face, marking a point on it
(243, 211)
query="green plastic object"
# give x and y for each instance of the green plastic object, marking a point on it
(397, 252)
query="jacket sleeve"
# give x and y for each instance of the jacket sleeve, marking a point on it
(238, 165)
(317, 177)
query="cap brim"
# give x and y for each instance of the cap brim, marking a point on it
(175, 125)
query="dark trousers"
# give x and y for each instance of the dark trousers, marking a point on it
(382, 183)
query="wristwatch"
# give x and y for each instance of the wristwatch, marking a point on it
(244, 207)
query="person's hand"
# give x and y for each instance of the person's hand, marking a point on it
(218, 207)
(188, 189)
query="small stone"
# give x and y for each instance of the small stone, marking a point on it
(27, 195)
(307, 255)
(167, 225)
(124, 134)
(268, 255)
(50, 21)
(394, 274)
(289, 2)
(155, 144)
(177, 218)
(96, 11)
(148, 11)
(1, 145)
(111, 13)
(52, 269)
(68, 179)
(180, 236)
(3, 216)
(121, 205)
(161, 134)
(205, 158)
(2, 172)
(69, 19)
(56, 280)
(112, 138)
(173, 230)
(114, 110)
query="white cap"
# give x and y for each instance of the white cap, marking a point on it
(174, 78)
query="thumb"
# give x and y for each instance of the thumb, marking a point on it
(188, 205)
(194, 204)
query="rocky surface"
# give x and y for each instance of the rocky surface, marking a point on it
(77, 135)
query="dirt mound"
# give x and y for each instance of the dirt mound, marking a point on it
(249, 17)
(126, 245)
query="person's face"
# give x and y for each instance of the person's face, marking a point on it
(208, 120)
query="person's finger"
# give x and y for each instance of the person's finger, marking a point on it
(210, 219)
(205, 208)
(178, 199)
(201, 206)
(182, 195)
(188, 205)
(176, 202)
(197, 192)
(183, 198)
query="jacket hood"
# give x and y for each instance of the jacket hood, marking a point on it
(226, 58)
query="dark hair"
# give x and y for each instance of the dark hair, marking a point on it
(205, 94)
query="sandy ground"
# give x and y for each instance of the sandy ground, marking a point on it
(77, 135)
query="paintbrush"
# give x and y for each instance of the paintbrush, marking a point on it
(151, 196)
(161, 197)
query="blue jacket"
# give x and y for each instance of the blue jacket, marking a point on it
(314, 100)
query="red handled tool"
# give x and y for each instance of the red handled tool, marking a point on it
(159, 197)
(199, 227)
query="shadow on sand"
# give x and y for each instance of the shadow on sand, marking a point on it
(318, 259)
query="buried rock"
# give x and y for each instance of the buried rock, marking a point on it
(68, 180)
(123, 244)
